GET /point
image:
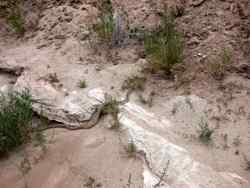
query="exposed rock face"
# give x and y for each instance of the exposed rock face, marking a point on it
(160, 153)
(68, 108)
(142, 128)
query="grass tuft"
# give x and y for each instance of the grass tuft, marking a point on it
(16, 21)
(134, 83)
(205, 133)
(112, 108)
(105, 27)
(164, 46)
(15, 120)
(218, 68)
(82, 84)
(10, 9)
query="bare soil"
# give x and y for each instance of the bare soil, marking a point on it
(95, 158)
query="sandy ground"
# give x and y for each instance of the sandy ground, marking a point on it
(73, 159)
(93, 158)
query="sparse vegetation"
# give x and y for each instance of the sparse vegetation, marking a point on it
(105, 27)
(162, 175)
(226, 56)
(82, 84)
(112, 108)
(10, 9)
(205, 133)
(130, 148)
(236, 141)
(164, 46)
(15, 120)
(16, 21)
(247, 161)
(225, 138)
(147, 100)
(134, 83)
(217, 68)
(52, 78)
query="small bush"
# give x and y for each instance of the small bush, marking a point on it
(16, 21)
(105, 27)
(164, 46)
(130, 149)
(15, 120)
(112, 108)
(134, 83)
(10, 9)
(218, 68)
(205, 133)
(226, 56)
(82, 84)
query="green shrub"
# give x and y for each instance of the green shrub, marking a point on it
(105, 27)
(218, 67)
(112, 108)
(16, 21)
(134, 83)
(164, 46)
(205, 133)
(82, 84)
(15, 120)
(10, 9)
(226, 56)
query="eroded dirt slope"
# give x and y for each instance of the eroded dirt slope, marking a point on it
(57, 41)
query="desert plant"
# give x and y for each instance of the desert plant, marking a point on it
(82, 84)
(112, 108)
(105, 27)
(15, 120)
(164, 46)
(226, 56)
(130, 148)
(217, 70)
(134, 83)
(10, 9)
(237, 141)
(218, 67)
(205, 133)
(16, 21)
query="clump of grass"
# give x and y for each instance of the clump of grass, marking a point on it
(105, 27)
(82, 84)
(218, 68)
(164, 46)
(10, 9)
(237, 141)
(52, 78)
(134, 83)
(16, 21)
(205, 133)
(15, 120)
(247, 161)
(226, 56)
(112, 108)
(130, 149)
